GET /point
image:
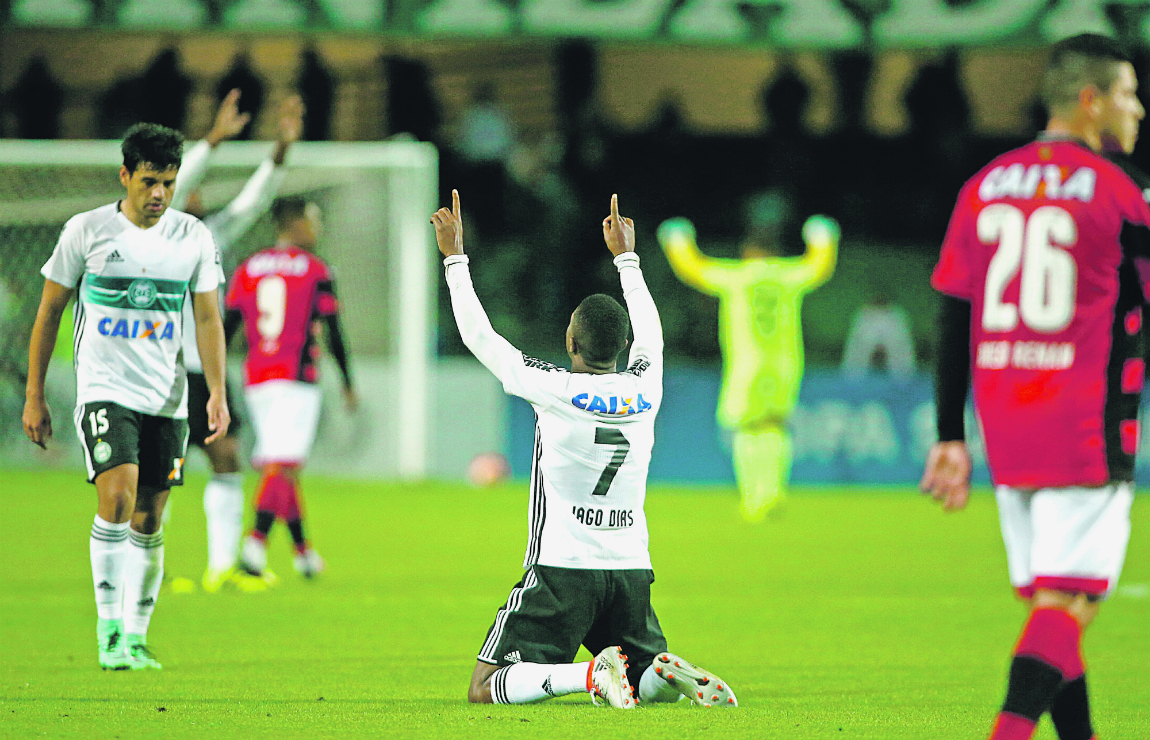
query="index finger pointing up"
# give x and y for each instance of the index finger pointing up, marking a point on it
(455, 202)
(615, 207)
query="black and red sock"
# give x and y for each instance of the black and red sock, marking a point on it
(1047, 657)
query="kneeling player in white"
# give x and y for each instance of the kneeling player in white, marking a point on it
(588, 572)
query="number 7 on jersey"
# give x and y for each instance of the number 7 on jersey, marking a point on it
(610, 436)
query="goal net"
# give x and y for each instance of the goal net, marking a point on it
(376, 199)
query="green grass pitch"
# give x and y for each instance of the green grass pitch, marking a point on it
(858, 613)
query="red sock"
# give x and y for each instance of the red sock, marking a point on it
(1012, 727)
(289, 502)
(267, 492)
(1046, 657)
(1054, 637)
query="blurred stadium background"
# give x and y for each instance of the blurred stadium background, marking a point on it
(873, 112)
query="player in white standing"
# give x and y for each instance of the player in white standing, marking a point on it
(588, 572)
(224, 493)
(131, 265)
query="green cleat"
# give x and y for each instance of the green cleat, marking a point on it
(110, 640)
(139, 656)
(214, 579)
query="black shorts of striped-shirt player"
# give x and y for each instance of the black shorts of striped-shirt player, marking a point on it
(552, 611)
(113, 435)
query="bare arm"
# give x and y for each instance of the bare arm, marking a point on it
(210, 342)
(37, 416)
(255, 199)
(229, 122)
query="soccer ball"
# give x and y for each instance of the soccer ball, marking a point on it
(487, 469)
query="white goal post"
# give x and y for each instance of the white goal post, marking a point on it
(377, 199)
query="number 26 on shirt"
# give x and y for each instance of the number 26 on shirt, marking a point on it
(1036, 246)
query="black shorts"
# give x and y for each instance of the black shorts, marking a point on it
(113, 435)
(198, 410)
(552, 611)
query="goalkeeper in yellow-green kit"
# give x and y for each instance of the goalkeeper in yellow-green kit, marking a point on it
(760, 336)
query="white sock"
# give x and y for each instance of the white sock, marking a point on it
(652, 687)
(224, 509)
(521, 683)
(143, 574)
(108, 549)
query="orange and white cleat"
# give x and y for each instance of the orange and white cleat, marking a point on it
(700, 686)
(608, 679)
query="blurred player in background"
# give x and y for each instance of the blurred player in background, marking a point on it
(282, 295)
(134, 263)
(224, 494)
(1042, 272)
(589, 576)
(761, 339)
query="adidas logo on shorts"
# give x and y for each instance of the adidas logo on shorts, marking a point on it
(547, 687)
(114, 257)
(513, 657)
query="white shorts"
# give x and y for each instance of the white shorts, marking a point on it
(1066, 539)
(285, 414)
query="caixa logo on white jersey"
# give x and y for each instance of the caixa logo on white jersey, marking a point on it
(136, 329)
(616, 405)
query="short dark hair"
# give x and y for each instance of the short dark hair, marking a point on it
(600, 327)
(1079, 61)
(287, 209)
(151, 143)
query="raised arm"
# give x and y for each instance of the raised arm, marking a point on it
(256, 197)
(619, 234)
(677, 237)
(492, 350)
(821, 234)
(229, 122)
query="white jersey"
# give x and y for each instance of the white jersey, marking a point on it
(226, 225)
(593, 433)
(132, 284)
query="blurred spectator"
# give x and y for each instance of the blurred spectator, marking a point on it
(789, 152)
(37, 100)
(484, 144)
(167, 89)
(412, 106)
(316, 87)
(855, 155)
(879, 339)
(939, 140)
(241, 76)
(116, 107)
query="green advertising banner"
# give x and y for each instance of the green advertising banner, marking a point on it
(808, 24)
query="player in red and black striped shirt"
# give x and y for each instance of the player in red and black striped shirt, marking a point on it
(281, 295)
(1042, 272)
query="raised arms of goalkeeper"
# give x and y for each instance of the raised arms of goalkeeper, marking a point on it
(711, 274)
